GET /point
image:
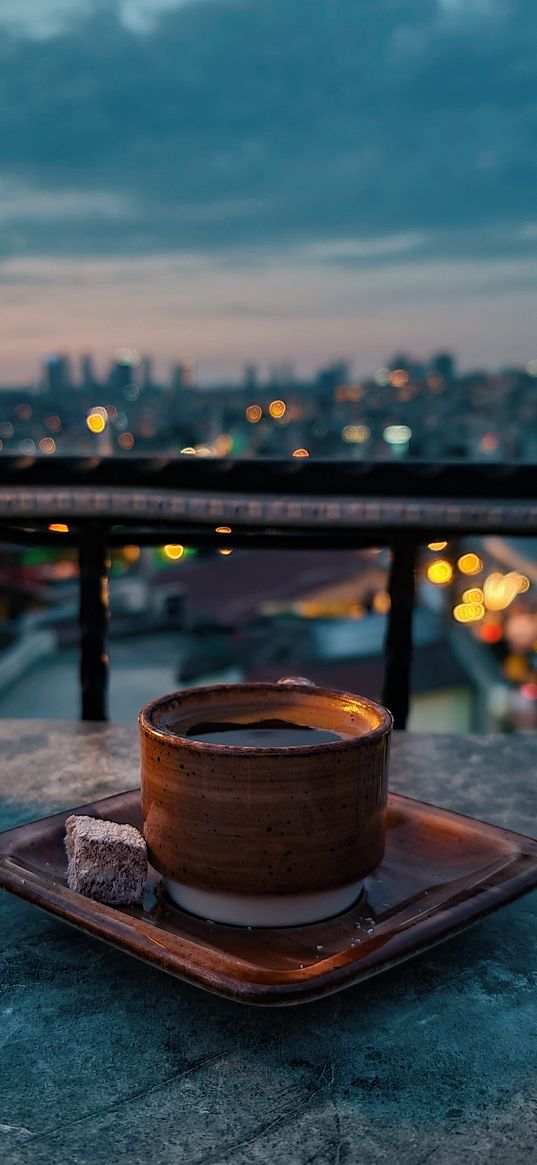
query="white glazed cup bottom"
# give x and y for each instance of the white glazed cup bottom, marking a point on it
(269, 910)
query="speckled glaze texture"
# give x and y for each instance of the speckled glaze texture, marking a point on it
(259, 820)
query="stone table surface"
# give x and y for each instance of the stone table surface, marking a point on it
(107, 1060)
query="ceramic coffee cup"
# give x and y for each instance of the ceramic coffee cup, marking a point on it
(264, 835)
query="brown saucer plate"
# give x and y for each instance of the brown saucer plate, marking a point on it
(441, 872)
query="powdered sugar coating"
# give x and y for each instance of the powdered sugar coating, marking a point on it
(106, 861)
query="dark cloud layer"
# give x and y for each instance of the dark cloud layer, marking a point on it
(261, 122)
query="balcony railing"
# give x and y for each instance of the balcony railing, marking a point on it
(292, 503)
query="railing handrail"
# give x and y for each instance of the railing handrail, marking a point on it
(264, 500)
(305, 476)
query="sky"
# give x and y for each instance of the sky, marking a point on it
(224, 181)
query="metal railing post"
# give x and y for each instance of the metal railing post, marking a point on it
(398, 645)
(94, 614)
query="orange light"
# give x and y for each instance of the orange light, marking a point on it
(436, 545)
(253, 414)
(47, 445)
(223, 529)
(399, 378)
(188, 451)
(300, 453)
(173, 552)
(381, 602)
(224, 550)
(223, 444)
(59, 528)
(125, 441)
(277, 409)
(440, 572)
(131, 553)
(470, 564)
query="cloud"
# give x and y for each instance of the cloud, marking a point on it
(352, 132)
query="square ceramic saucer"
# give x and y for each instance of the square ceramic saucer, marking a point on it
(441, 872)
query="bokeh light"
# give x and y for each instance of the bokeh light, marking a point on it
(253, 414)
(470, 564)
(277, 409)
(96, 422)
(173, 551)
(440, 572)
(468, 612)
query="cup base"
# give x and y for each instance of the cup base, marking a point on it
(267, 910)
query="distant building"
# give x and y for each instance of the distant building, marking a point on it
(444, 364)
(56, 374)
(147, 372)
(182, 376)
(87, 372)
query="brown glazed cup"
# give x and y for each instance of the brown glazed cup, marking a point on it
(261, 836)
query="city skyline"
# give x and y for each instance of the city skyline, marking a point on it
(230, 183)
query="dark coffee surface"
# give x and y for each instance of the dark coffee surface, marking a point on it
(262, 734)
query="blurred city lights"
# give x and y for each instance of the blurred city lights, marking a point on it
(440, 572)
(382, 376)
(173, 551)
(300, 453)
(381, 602)
(58, 528)
(53, 423)
(468, 612)
(355, 434)
(473, 595)
(253, 414)
(529, 691)
(125, 440)
(436, 545)
(397, 434)
(470, 564)
(188, 451)
(223, 529)
(131, 553)
(95, 420)
(500, 589)
(223, 444)
(6, 429)
(491, 632)
(47, 445)
(224, 550)
(24, 412)
(277, 409)
(489, 442)
(399, 377)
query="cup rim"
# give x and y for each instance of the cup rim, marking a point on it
(173, 738)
